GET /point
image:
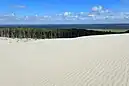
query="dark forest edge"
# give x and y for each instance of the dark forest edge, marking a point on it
(36, 33)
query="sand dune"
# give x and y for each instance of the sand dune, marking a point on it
(83, 61)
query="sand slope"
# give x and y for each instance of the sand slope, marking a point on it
(84, 61)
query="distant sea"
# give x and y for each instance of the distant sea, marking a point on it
(69, 26)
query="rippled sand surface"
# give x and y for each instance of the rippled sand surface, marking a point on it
(83, 61)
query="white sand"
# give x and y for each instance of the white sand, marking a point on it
(83, 61)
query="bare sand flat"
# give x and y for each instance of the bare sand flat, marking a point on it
(83, 61)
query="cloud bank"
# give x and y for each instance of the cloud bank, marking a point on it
(98, 14)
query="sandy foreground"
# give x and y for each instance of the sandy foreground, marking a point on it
(83, 61)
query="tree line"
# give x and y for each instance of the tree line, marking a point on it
(36, 33)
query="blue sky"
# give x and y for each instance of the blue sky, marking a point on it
(50, 7)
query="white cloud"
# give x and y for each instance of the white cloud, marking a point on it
(97, 8)
(19, 6)
(67, 13)
(91, 15)
(81, 12)
(100, 9)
